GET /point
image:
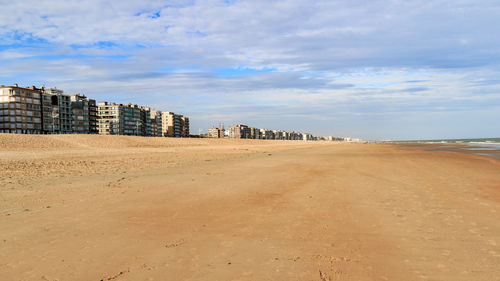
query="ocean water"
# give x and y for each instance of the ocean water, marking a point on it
(493, 141)
(486, 147)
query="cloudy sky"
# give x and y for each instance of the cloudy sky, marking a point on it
(368, 69)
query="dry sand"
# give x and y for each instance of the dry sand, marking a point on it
(131, 208)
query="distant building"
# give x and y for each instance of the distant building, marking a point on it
(245, 132)
(93, 117)
(278, 134)
(184, 126)
(50, 111)
(295, 136)
(332, 138)
(80, 114)
(240, 132)
(56, 112)
(174, 125)
(84, 115)
(156, 124)
(171, 125)
(267, 134)
(119, 119)
(307, 137)
(215, 132)
(254, 133)
(145, 121)
(108, 119)
(20, 110)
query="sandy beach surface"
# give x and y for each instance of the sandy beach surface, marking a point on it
(131, 208)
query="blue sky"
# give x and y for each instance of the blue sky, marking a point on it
(368, 69)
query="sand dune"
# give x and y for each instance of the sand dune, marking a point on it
(132, 208)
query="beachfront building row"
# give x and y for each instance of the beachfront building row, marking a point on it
(240, 131)
(43, 110)
(134, 120)
(34, 110)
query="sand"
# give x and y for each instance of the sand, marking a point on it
(132, 208)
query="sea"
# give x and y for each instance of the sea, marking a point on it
(486, 146)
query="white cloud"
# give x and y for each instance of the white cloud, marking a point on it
(331, 59)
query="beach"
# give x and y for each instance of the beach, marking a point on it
(91, 207)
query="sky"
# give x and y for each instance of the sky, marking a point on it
(376, 70)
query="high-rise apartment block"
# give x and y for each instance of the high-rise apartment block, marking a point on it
(131, 120)
(145, 121)
(184, 126)
(108, 118)
(171, 124)
(156, 124)
(20, 110)
(84, 114)
(93, 117)
(174, 125)
(50, 113)
(240, 131)
(119, 119)
(254, 133)
(267, 134)
(57, 113)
